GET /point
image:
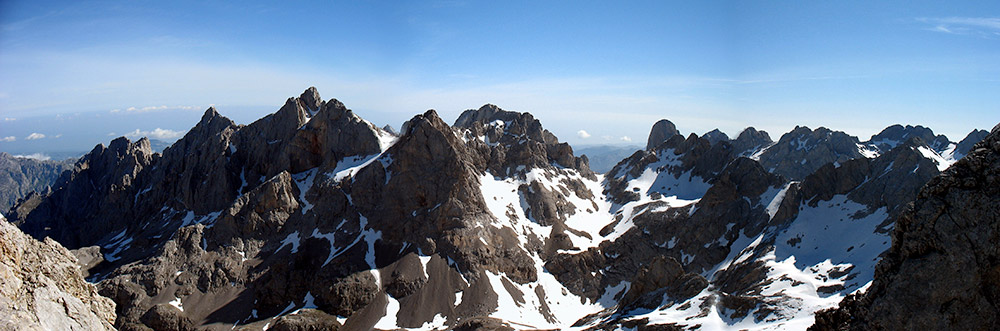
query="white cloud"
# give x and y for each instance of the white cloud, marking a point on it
(626, 139)
(34, 135)
(57, 136)
(981, 26)
(8, 139)
(158, 133)
(8, 119)
(36, 156)
(583, 134)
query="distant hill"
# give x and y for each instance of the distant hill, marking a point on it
(603, 158)
(20, 176)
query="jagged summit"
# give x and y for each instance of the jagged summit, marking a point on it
(965, 145)
(517, 139)
(803, 150)
(892, 136)
(750, 141)
(314, 216)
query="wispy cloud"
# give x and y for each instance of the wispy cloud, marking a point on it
(158, 133)
(36, 156)
(8, 139)
(151, 108)
(979, 26)
(34, 135)
(626, 139)
(9, 119)
(583, 134)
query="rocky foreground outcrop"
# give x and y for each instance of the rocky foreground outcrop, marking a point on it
(942, 271)
(41, 287)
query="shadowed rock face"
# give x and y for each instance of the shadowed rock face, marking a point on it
(661, 131)
(965, 146)
(43, 289)
(942, 269)
(100, 187)
(715, 136)
(21, 176)
(895, 135)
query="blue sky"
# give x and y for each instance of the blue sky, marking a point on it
(81, 72)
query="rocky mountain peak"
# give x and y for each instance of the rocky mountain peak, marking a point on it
(892, 136)
(513, 140)
(800, 152)
(750, 141)
(661, 131)
(514, 123)
(965, 146)
(310, 100)
(715, 136)
(105, 175)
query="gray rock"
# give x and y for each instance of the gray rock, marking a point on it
(895, 135)
(20, 176)
(42, 288)
(801, 151)
(661, 131)
(965, 146)
(715, 136)
(750, 141)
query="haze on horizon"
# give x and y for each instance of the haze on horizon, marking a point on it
(77, 73)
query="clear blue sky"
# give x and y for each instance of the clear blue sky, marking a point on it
(80, 72)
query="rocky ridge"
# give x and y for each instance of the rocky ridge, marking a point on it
(21, 176)
(314, 216)
(941, 270)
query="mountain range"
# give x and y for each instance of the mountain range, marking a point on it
(313, 217)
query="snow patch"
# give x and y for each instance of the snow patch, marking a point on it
(292, 239)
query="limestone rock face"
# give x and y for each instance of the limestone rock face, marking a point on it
(802, 151)
(661, 131)
(941, 271)
(42, 289)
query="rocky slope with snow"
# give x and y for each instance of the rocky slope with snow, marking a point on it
(941, 271)
(312, 216)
